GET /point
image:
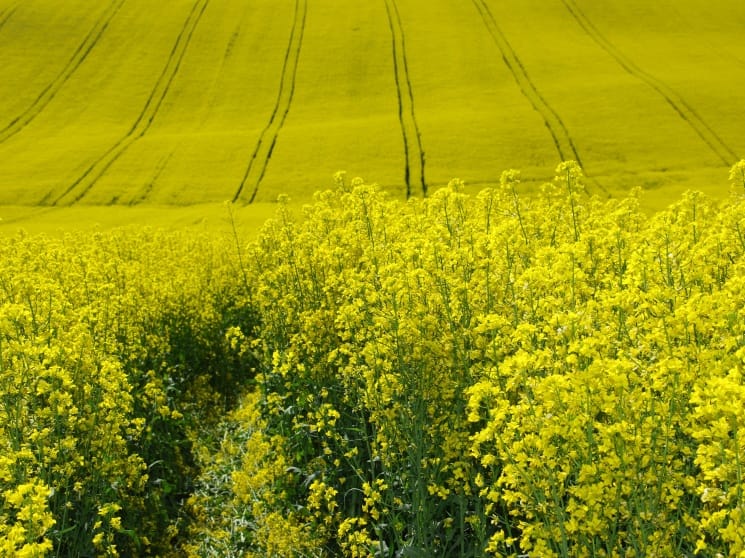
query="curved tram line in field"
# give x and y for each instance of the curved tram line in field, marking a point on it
(80, 188)
(22, 120)
(559, 132)
(145, 191)
(268, 139)
(5, 13)
(412, 138)
(679, 105)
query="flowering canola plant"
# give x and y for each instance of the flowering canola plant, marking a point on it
(113, 353)
(462, 375)
(495, 375)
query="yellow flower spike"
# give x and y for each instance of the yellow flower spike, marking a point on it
(737, 173)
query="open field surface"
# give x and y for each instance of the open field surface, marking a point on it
(129, 103)
(214, 217)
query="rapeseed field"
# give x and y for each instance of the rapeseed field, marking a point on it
(488, 375)
(129, 103)
(458, 375)
(215, 344)
(113, 356)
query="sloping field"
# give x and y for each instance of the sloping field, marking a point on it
(126, 102)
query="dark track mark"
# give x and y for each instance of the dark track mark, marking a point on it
(19, 122)
(562, 139)
(231, 43)
(559, 133)
(679, 105)
(6, 13)
(30, 215)
(80, 188)
(268, 139)
(413, 152)
(145, 192)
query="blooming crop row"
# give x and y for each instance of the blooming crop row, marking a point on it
(113, 352)
(490, 375)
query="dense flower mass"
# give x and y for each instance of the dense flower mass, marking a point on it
(112, 353)
(500, 374)
(497, 374)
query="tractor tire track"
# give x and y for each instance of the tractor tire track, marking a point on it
(264, 148)
(150, 186)
(559, 133)
(22, 120)
(86, 181)
(726, 154)
(6, 13)
(412, 137)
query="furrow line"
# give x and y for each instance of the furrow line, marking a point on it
(86, 181)
(414, 169)
(145, 192)
(6, 13)
(562, 139)
(684, 110)
(559, 133)
(47, 94)
(264, 148)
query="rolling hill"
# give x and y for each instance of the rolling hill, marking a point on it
(130, 102)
